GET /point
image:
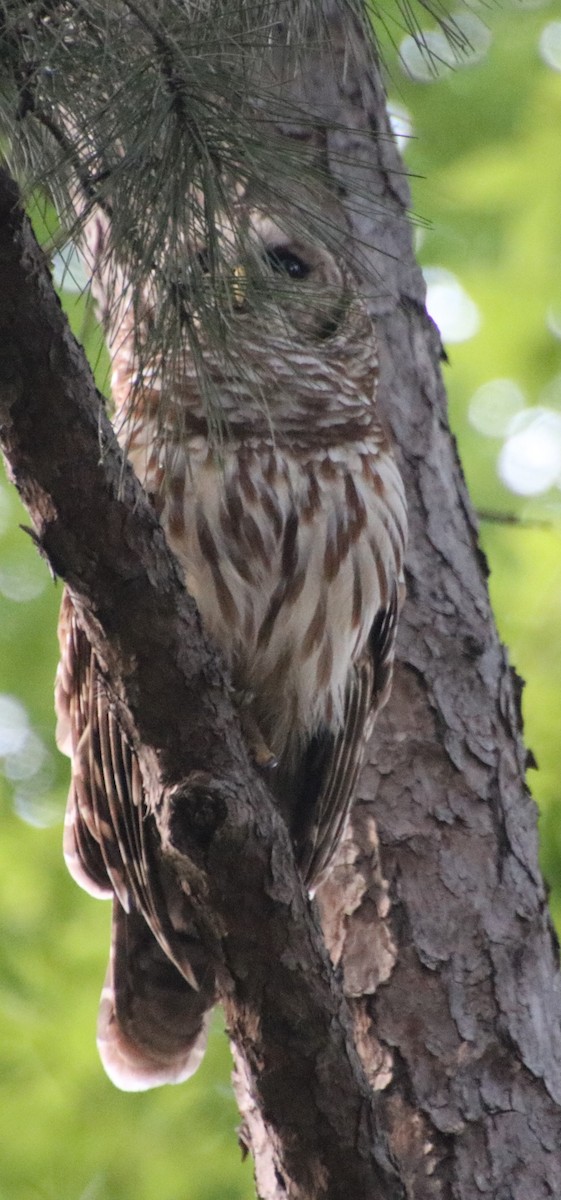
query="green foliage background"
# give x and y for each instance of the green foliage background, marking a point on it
(485, 161)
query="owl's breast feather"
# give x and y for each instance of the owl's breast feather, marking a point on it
(289, 558)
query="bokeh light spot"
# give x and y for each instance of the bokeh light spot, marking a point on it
(427, 57)
(14, 725)
(69, 269)
(553, 321)
(401, 123)
(530, 460)
(27, 764)
(493, 406)
(478, 38)
(449, 305)
(432, 55)
(23, 581)
(550, 45)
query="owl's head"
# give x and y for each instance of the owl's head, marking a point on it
(271, 323)
(275, 280)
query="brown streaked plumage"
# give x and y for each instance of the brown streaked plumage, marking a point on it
(290, 535)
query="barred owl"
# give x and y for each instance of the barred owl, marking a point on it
(291, 538)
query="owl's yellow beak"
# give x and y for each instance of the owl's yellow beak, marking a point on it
(239, 285)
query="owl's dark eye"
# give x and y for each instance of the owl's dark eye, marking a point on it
(283, 260)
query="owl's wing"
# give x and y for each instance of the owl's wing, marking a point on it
(333, 761)
(111, 849)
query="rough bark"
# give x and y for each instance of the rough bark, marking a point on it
(436, 911)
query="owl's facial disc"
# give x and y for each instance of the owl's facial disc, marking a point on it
(274, 279)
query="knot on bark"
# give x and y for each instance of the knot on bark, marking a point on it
(197, 811)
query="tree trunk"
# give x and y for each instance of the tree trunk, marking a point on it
(435, 909)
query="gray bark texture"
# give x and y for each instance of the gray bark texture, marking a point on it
(435, 913)
(446, 947)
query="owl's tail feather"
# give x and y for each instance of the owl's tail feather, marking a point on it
(152, 1026)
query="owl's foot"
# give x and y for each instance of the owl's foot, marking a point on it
(262, 756)
(259, 751)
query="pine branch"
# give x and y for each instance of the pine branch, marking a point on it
(154, 114)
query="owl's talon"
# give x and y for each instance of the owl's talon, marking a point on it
(259, 751)
(263, 757)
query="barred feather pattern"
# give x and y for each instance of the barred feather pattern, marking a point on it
(291, 537)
